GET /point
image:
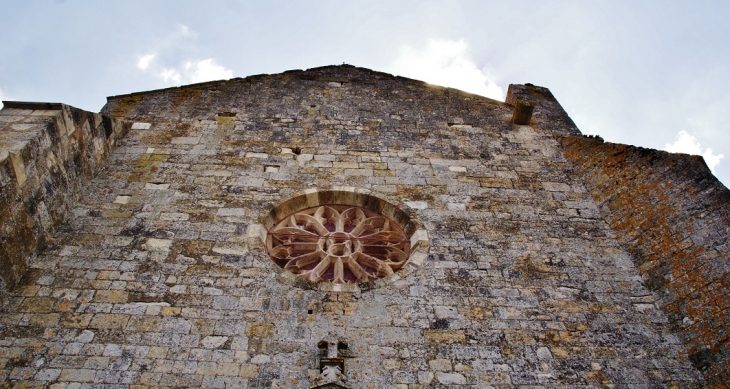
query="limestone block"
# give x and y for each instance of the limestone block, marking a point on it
(444, 336)
(213, 341)
(440, 365)
(141, 126)
(450, 378)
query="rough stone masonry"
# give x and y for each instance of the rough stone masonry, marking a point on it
(133, 243)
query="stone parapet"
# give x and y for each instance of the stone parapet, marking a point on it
(46, 150)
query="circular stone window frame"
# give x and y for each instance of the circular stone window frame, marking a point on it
(397, 212)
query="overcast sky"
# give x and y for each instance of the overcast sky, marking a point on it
(648, 73)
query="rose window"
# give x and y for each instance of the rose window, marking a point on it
(338, 243)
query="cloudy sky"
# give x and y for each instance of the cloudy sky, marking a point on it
(647, 73)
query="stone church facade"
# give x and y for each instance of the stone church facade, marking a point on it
(189, 237)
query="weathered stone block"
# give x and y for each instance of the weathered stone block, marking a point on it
(109, 321)
(265, 330)
(444, 336)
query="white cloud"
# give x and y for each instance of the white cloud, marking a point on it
(184, 30)
(156, 61)
(144, 62)
(206, 70)
(687, 144)
(446, 62)
(171, 76)
(192, 72)
(188, 73)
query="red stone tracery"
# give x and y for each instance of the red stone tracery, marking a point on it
(338, 243)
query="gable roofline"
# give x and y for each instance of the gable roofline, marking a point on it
(337, 73)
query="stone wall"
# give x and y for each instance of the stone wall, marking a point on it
(46, 151)
(161, 279)
(674, 217)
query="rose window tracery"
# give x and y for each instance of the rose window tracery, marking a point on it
(338, 243)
